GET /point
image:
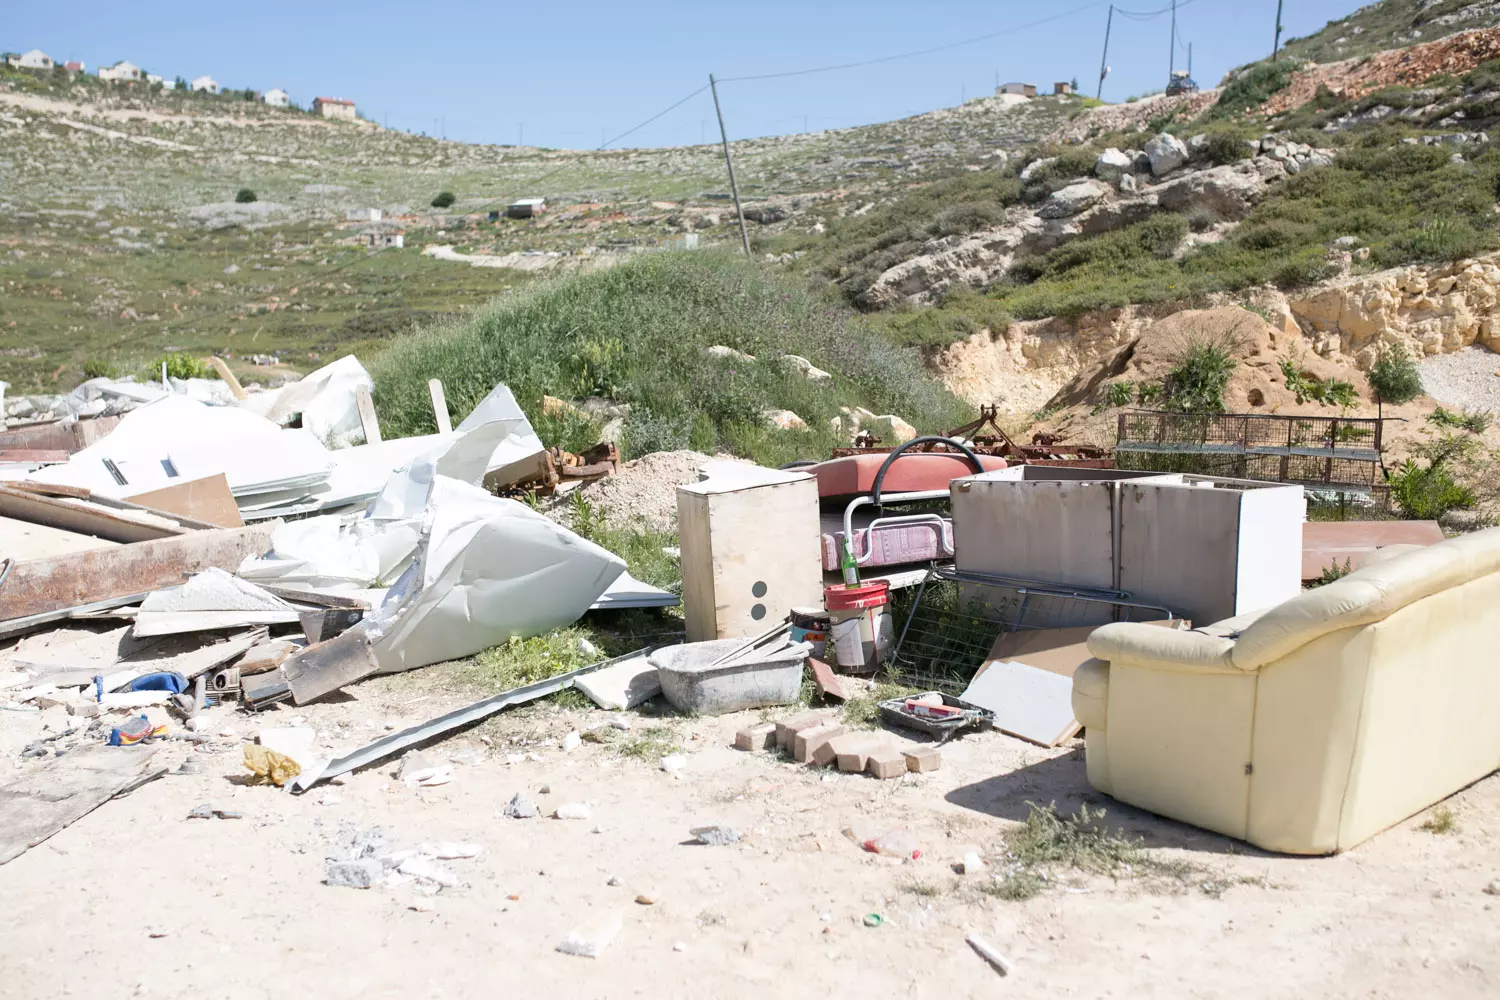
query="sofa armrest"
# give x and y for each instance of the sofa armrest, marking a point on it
(1166, 649)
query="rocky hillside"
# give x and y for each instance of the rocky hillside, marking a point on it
(1392, 24)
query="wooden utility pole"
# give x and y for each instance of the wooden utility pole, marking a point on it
(1276, 45)
(734, 187)
(1172, 53)
(1103, 60)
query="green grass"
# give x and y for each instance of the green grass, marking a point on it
(638, 333)
(1441, 821)
(864, 712)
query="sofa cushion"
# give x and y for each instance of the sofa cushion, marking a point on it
(1168, 648)
(1370, 594)
(1091, 694)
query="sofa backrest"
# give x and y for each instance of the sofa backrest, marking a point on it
(1367, 595)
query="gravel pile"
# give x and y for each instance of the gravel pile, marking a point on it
(1468, 379)
(643, 494)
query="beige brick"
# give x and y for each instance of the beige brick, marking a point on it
(886, 762)
(807, 741)
(853, 751)
(761, 737)
(923, 759)
(787, 731)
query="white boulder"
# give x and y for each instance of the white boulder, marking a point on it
(1166, 153)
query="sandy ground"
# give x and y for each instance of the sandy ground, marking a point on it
(137, 900)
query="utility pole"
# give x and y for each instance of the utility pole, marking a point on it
(1103, 60)
(1190, 60)
(520, 133)
(1172, 58)
(734, 187)
(1276, 45)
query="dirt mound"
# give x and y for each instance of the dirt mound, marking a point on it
(1135, 115)
(643, 494)
(1408, 67)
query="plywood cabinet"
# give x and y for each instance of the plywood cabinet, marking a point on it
(750, 551)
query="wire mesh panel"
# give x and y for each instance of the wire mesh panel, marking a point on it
(949, 625)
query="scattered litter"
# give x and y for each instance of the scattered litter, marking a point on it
(898, 843)
(987, 951)
(588, 943)
(873, 920)
(520, 807)
(423, 867)
(269, 766)
(620, 722)
(362, 873)
(572, 742)
(294, 742)
(971, 864)
(673, 762)
(716, 836)
(679, 946)
(572, 810)
(207, 811)
(137, 730)
(419, 769)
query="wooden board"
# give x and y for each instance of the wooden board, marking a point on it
(1028, 702)
(66, 789)
(84, 517)
(1059, 650)
(207, 499)
(1325, 543)
(367, 419)
(22, 540)
(57, 583)
(328, 666)
(440, 406)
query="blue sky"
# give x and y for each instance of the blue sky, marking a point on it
(569, 74)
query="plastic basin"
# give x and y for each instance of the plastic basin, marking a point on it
(769, 676)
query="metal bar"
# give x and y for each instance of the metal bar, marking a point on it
(734, 187)
(372, 753)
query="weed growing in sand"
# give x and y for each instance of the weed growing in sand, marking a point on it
(1440, 822)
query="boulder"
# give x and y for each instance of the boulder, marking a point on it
(766, 214)
(1127, 184)
(1166, 153)
(1197, 146)
(1113, 165)
(1069, 201)
(727, 353)
(783, 420)
(806, 367)
(1229, 191)
(1030, 170)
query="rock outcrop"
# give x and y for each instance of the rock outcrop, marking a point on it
(1167, 153)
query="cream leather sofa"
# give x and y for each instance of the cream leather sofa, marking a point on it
(1312, 726)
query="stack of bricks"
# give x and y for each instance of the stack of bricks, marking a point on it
(819, 740)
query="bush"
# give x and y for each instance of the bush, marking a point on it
(1197, 382)
(182, 366)
(1254, 87)
(100, 368)
(245, 196)
(639, 332)
(1394, 376)
(1307, 387)
(443, 200)
(1426, 493)
(1473, 421)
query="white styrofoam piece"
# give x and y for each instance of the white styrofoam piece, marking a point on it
(624, 685)
(1028, 702)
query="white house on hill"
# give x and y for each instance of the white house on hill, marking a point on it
(276, 98)
(205, 83)
(35, 59)
(121, 72)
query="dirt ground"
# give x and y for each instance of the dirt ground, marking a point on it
(137, 900)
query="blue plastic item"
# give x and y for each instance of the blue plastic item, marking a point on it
(165, 681)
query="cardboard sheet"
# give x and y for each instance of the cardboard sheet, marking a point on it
(207, 499)
(1028, 702)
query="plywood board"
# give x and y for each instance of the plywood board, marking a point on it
(1059, 650)
(1325, 543)
(66, 789)
(85, 517)
(23, 540)
(208, 500)
(1028, 702)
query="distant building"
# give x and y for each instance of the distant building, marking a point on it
(121, 72)
(74, 66)
(207, 84)
(154, 79)
(169, 85)
(526, 208)
(35, 59)
(377, 240)
(333, 107)
(363, 215)
(1019, 89)
(276, 98)
(1061, 89)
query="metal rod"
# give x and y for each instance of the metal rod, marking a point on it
(734, 187)
(1103, 60)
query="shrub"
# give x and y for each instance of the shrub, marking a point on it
(1426, 493)
(1197, 382)
(1394, 376)
(444, 199)
(1444, 238)
(1121, 393)
(244, 196)
(181, 366)
(1306, 386)
(1473, 421)
(100, 368)
(1254, 86)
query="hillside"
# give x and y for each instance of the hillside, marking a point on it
(1391, 24)
(120, 237)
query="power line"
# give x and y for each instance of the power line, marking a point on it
(919, 52)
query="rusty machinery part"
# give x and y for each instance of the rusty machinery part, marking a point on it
(985, 436)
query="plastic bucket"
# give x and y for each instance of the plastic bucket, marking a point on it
(810, 625)
(860, 631)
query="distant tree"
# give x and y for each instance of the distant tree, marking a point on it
(443, 200)
(181, 84)
(1075, 84)
(244, 196)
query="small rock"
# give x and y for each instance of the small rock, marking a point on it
(544, 790)
(360, 874)
(809, 370)
(716, 836)
(189, 766)
(1127, 184)
(572, 742)
(614, 880)
(782, 420)
(727, 353)
(620, 722)
(1493, 889)
(590, 942)
(572, 810)
(645, 899)
(673, 762)
(520, 807)
(1112, 165)
(587, 648)
(229, 814)
(971, 863)
(679, 946)
(205, 811)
